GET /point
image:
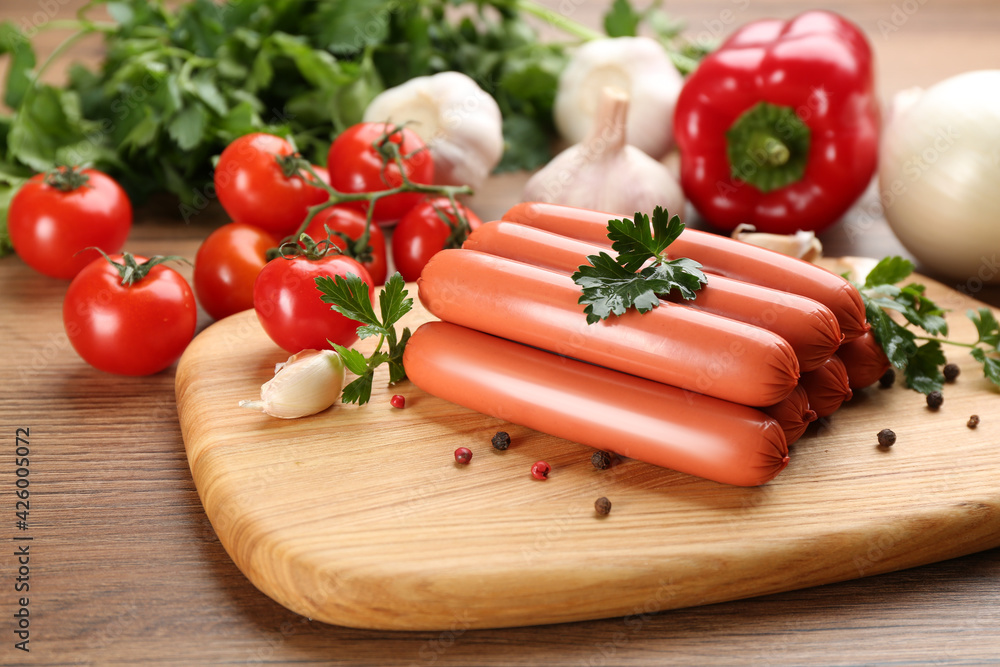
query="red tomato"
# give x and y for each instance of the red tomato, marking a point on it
(422, 233)
(356, 165)
(289, 307)
(137, 329)
(349, 221)
(56, 215)
(253, 188)
(226, 266)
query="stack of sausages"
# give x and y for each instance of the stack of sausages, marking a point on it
(718, 386)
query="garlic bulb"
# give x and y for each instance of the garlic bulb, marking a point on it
(603, 173)
(939, 172)
(459, 122)
(640, 67)
(309, 382)
(802, 245)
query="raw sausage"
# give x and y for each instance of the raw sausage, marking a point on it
(792, 414)
(864, 360)
(808, 326)
(718, 254)
(672, 344)
(595, 406)
(827, 387)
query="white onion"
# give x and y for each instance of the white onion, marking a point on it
(939, 177)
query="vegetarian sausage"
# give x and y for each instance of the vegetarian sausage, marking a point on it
(864, 360)
(792, 414)
(718, 254)
(672, 344)
(808, 326)
(595, 406)
(827, 387)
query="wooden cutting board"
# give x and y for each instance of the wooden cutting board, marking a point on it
(359, 516)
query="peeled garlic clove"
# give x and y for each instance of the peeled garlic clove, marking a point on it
(803, 245)
(309, 382)
(459, 122)
(640, 67)
(603, 173)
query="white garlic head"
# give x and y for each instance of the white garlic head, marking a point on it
(460, 123)
(603, 173)
(638, 66)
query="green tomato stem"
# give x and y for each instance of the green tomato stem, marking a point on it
(337, 197)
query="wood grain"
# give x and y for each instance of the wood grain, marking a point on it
(359, 515)
(130, 572)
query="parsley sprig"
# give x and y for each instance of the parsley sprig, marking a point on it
(921, 357)
(349, 297)
(612, 285)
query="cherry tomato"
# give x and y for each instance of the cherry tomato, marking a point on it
(356, 165)
(254, 188)
(138, 329)
(422, 233)
(349, 221)
(289, 307)
(54, 216)
(226, 266)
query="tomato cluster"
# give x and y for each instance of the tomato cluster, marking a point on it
(133, 316)
(267, 190)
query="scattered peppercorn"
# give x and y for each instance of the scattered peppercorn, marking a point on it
(934, 400)
(887, 379)
(397, 401)
(463, 455)
(501, 441)
(541, 470)
(973, 421)
(886, 438)
(601, 460)
(602, 506)
(951, 372)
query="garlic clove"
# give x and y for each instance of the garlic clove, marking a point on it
(460, 123)
(603, 173)
(803, 245)
(310, 381)
(641, 68)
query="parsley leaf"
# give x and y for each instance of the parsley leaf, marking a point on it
(989, 336)
(636, 241)
(612, 285)
(987, 326)
(889, 271)
(921, 364)
(622, 20)
(349, 296)
(923, 369)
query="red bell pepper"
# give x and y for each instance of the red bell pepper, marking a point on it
(779, 126)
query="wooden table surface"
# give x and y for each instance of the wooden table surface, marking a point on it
(126, 569)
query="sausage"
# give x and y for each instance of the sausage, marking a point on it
(864, 360)
(792, 414)
(827, 387)
(808, 326)
(672, 344)
(718, 254)
(599, 407)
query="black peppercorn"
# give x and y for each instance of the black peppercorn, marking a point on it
(886, 438)
(602, 506)
(973, 421)
(887, 379)
(601, 460)
(951, 372)
(501, 440)
(934, 400)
